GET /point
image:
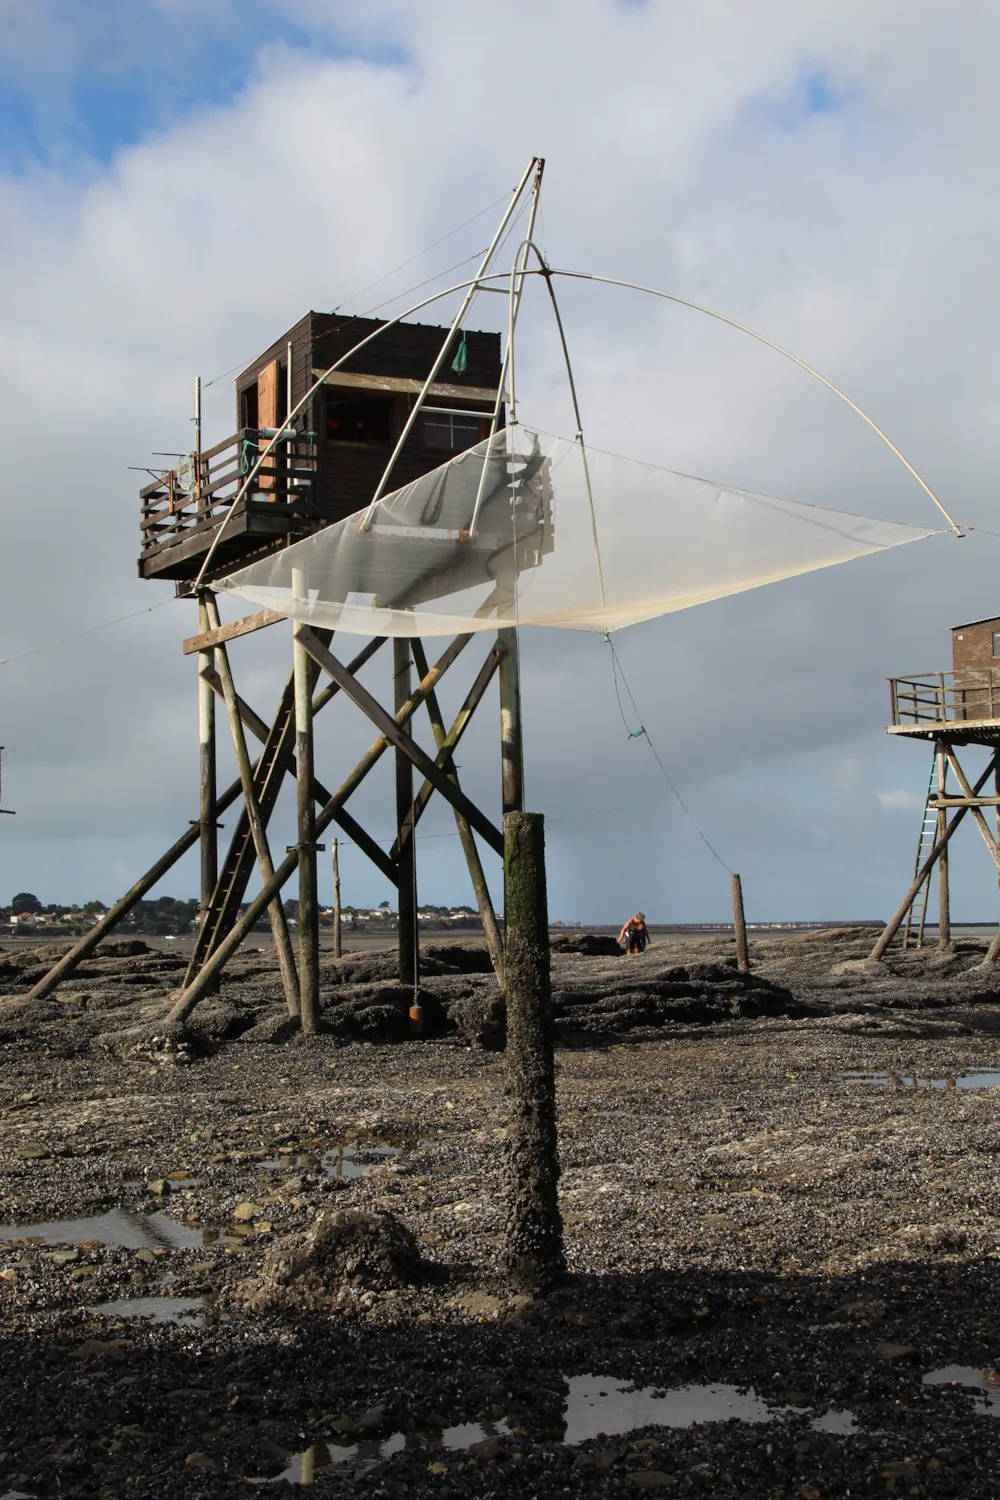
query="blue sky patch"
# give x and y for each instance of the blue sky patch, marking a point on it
(816, 92)
(79, 85)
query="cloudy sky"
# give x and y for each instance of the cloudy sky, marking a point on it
(180, 180)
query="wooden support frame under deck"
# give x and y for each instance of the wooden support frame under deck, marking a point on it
(950, 811)
(287, 751)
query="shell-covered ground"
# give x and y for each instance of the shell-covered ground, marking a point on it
(782, 1239)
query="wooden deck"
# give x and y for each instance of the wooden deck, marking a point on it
(963, 707)
(183, 509)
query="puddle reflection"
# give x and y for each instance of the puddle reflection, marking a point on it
(595, 1404)
(119, 1227)
(156, 1309)
(972, 1078)
(589, 1406)
(339, 1161)
(970, 1379)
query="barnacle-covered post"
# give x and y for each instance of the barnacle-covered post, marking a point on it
(535, 1255)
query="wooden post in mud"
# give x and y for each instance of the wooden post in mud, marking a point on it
(511, 747)
(534, 1251)
(740, 924)
(308, 910)
(993, 951)
(407, 902)
(337, 930)
(207, 813)
(996, 788)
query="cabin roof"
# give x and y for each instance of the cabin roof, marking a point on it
(313, 327)
(989, 620)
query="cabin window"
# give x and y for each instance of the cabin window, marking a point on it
(248, 407)
(448, 434)
(996, 643)
(358, 421)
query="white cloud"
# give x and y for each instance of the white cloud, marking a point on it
(900, 800)
(682, 150)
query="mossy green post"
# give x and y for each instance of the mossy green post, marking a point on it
(535, 1255)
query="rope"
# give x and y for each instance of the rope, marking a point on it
(378, 281)
(92, 630)
(643, 733)
(709, 312)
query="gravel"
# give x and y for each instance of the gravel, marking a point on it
(741, 1216)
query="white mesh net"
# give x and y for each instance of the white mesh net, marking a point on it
(655, 542)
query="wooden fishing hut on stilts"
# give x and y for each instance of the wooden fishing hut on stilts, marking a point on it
(379, 484)
(335, 414)
(953, 711)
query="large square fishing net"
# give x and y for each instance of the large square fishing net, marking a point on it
(531, 529)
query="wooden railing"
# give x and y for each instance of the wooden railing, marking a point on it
(971, 694)
(201, 490)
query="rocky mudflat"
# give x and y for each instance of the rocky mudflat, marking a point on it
(233, 1259)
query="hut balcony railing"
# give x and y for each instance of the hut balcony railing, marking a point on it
(198, 495)
(969, 695)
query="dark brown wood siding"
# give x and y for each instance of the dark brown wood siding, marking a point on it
(300, 336)
(407, 350)
(320, 479)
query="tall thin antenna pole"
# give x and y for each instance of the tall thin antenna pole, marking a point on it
(197, 441)
(516, 291)
(456, 323)
(337, 929)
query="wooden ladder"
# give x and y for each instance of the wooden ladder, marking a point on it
(926, 842)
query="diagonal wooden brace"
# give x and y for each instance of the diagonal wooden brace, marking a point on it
(385, 862)
(279, 926)
(896, 921)
(446, 743)
(253, 721)
(65, 966)
(214, 965)
(399, 738)
(981, 822)
(477, 875)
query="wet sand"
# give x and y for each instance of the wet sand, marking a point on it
(779, 1237)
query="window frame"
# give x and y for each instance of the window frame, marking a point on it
(440, 418)
(354, 396)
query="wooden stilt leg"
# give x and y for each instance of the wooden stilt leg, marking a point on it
(192, 993)
(534, 1249)
(511, 751)
(276, 913)
(996, 789)
(477, 875)
(996, 792)
(899, 916)
(308, 883)
(405, 837)
(944, 893)
(207, 814)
